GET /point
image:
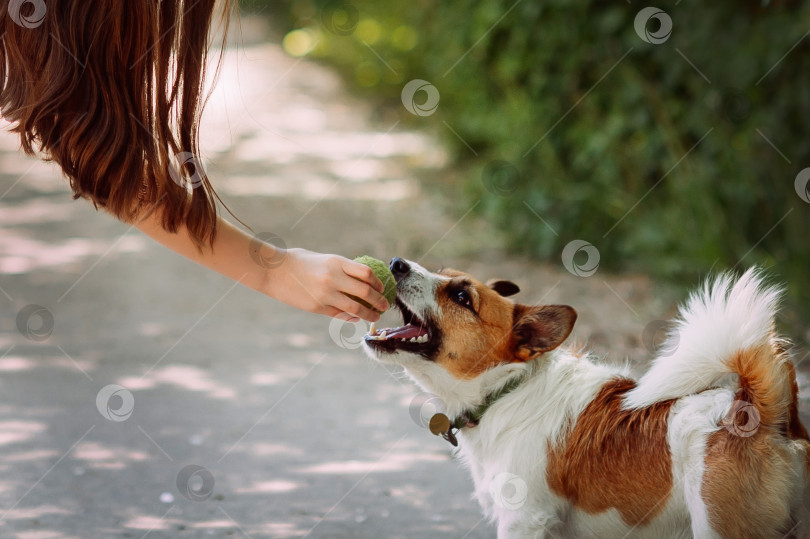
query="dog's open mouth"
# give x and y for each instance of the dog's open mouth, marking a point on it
(415, 335)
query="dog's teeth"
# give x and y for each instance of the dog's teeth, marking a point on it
(372, 329)
(413, 339)
(422, 339)
(382, 335)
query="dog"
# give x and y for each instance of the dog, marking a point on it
(707, 443)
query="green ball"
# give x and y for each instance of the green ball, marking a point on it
(384, 274)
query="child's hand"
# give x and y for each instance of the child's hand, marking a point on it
(318, 283)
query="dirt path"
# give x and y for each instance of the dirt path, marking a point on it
(292, 433)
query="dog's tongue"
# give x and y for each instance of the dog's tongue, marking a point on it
(405, 332)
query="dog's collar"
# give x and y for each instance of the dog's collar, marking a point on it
(440, 424)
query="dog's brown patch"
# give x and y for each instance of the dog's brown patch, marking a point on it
(747, 485)
(493, 329)
(472, 342)
(615, 458)
(748, 478)
(795, 429)
(539, 329)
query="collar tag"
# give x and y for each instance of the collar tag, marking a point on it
(440, 426)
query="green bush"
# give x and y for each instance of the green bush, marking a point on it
(660, 155)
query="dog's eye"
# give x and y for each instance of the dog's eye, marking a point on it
(463, 298)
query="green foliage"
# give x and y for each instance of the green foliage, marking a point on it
(613, 140)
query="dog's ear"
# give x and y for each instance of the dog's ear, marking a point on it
(504, 288)
(538, 329)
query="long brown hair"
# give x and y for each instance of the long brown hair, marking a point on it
(112, 91)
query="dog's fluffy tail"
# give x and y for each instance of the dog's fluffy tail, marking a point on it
(727, 327)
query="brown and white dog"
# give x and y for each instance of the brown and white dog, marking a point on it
(707, 443)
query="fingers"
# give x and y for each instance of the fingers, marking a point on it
(347, 305)
(363, 273)
(363, 291)
(328, 290)
(334, 312)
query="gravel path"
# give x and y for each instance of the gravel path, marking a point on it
(288, 432)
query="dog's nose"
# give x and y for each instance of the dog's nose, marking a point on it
(399, 268)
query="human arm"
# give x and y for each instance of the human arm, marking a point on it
(309, 281)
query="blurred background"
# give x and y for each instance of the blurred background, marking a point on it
(674, 156)
(608, 156)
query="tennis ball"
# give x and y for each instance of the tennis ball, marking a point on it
(384, 274)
